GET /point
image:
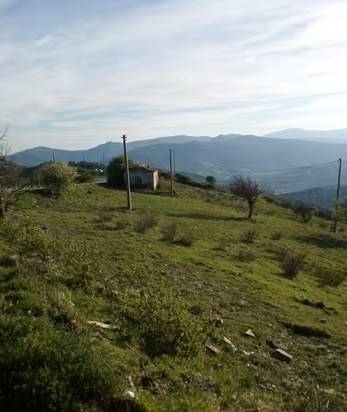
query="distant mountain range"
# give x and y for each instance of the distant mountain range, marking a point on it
(281, 165)
(328, 136)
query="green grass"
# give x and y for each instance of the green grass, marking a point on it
(164, 301)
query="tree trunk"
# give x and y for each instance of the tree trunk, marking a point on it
(250, 210)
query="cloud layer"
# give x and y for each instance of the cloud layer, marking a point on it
(77, 73)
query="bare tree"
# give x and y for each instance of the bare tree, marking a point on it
(246, 189)
(10, 185)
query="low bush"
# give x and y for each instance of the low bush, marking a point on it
(147, 222)
(249, 236)
(169, 232)
(9, 261)
(276, 236)
(45, 369)
(185, 240)
(105, 215)
(162, 323)
(291, 263)
(246, 255)
(331, 277)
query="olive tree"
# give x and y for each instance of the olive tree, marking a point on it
(115, 171)
(55, 177)
(246, 189)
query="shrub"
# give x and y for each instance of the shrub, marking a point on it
(147, 222)
(291, 263)
(332, 278)
(249, 236)
(185, 240)
(55, 177)
(9, 261)
(105, 215)
(246, 255)
(115, 171)
(162, 323)
(43, 369)
(169, 232)
(276, 236)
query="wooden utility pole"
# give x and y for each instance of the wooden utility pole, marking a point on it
(129, 203)
(53, 157)
(174, 163)
(338, 193)
(171, 175)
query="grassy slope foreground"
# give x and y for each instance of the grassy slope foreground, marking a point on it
(172, 315)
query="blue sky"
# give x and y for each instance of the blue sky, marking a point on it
(76, 73)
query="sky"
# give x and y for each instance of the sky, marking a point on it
(77, 73)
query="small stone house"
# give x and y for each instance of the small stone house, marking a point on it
(143, 176)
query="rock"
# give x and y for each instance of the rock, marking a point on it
(229, 342)
(250, 333)
(130, 394)
(282, 355)
(213, 349)
(248, 353)
(219, 322)
(101, 325)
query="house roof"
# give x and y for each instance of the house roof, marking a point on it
(144, 167)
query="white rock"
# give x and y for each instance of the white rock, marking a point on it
(101, 325)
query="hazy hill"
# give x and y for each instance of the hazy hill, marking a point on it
(328, 136)
(302, 178)
(318, 196)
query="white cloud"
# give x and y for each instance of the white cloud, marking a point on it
(196, 67)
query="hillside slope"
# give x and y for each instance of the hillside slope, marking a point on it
(324, 197)
(174, 320)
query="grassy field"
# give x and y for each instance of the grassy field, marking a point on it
(173, 313)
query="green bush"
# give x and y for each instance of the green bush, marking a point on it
(331, 277)
(185, 240)
(163, 323)
(55, 177)
(246, 255)
(43, 369)
(115, 171)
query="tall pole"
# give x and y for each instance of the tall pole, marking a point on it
(129, 203)
(338, 192)
(171, 173)
(174, 162)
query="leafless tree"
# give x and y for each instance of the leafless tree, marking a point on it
(246, 189)
(11, 187)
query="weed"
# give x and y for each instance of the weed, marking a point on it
(331, 277)
(291, 263)
(145, 223)
(169, 232)
(276, 236)
(249, 236)
(246, 255)
(185, 240)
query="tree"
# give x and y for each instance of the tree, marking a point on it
(211, 181)
(55, 177)
(11, 185)
(115, 171)
(246, 189)
(304, 212)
